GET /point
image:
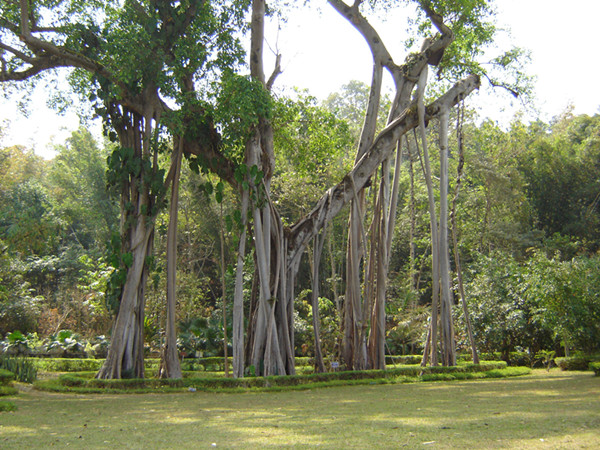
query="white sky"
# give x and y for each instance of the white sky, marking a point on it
(321, 52)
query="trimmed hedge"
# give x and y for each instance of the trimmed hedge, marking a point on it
(66, 364)
(216, 364)
(405, 373)
(517, 359)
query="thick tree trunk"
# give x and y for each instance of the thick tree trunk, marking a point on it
(387, 220)
(272, 352)
(126, 352)
(125, 357)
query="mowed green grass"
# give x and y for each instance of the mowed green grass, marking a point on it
(542, 410)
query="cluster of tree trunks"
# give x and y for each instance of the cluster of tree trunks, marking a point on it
(277, 249)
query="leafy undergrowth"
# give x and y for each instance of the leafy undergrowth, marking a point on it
(83, 382)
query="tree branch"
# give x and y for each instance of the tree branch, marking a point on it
(16, 52)
(514, 93)
(411, 69)
(436, 19)
(276, 72)
(337, 197)
(374, 41)
(9, 25)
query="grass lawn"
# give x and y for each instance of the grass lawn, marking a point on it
(541, 410)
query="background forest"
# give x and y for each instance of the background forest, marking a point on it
(527, 228)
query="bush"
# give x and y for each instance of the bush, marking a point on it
(573, 363)
(67, 364)
(5, 391)
(23, 368)
(71, 380)
(545, 358)
(304, 361)
(7, 406)
(492, 356)
(16, 343)
(595, 366)
(519, 359)
(403, 359)
(212, 363)
(6, 377)
(98, 347)
(67, 344)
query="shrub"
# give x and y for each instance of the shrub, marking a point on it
(6, 377)
(67, 364)
(98, 347)
(304, 361)
(16, 344)
(66, 344)
(545, 357)
(7, 406)
(573, 363)
(71, 380)
(8, 390)
(595, 366)
(403, 359)
(494, 356)
(212, 363)
(519, 359)
(23, 369)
